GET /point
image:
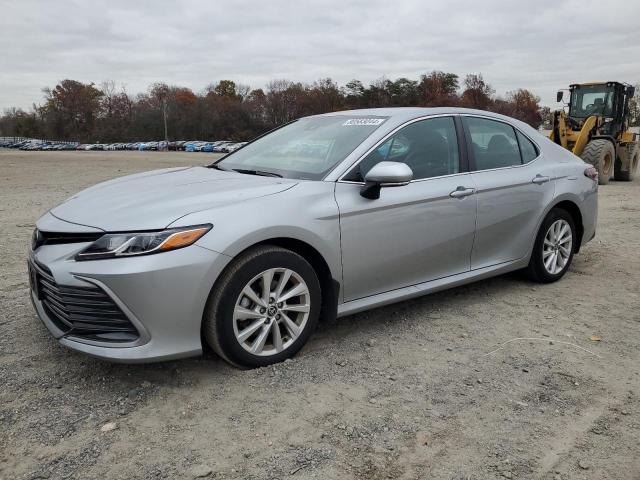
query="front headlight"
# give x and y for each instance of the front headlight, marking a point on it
(113, 245)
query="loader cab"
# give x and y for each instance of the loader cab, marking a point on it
(608, 100)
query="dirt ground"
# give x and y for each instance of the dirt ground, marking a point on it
(498, 379)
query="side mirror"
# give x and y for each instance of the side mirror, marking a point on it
(385, 174)
(559, 96)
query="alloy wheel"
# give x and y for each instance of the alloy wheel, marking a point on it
(271, 311)
(558, 244)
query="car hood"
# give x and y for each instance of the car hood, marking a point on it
(153, 200)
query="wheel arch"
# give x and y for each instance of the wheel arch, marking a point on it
(330, 287)
(572, 209)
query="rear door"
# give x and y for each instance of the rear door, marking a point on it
(514, 185)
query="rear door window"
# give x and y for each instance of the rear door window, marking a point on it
(493, 143)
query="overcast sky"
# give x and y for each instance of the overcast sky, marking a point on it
(541, 45)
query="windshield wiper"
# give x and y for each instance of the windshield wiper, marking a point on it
(217, 167)
(256, 172)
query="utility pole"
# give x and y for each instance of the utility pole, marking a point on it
(164, 116)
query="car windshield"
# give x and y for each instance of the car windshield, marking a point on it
(306, 149)
(591, 100)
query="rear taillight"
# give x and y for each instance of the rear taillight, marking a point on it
(592, 173)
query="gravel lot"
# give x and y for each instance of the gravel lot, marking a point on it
(498, 379)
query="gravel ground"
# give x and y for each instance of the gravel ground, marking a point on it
(499, 379)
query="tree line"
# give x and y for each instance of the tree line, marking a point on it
(87, 112)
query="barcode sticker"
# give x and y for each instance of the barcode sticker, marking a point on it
(363, 121)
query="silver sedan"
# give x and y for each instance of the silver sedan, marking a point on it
(328, 215)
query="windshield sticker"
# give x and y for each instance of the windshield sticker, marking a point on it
(363, 121)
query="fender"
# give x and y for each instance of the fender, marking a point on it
(571, 197)
(287, 232)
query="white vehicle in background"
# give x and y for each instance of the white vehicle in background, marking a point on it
(223, 147)
(234, 147)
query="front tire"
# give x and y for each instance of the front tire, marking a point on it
(601, 154)
(263, 308)
(554, 247)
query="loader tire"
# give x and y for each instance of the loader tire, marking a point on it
(629, 174)
(601, 154)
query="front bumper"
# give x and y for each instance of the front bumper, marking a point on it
(162, 295)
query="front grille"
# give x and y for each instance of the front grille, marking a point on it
(40, 238)
(85, 312)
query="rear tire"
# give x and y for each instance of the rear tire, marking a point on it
(629, 174)
(601, 154)
(239, 324)
(557, 227)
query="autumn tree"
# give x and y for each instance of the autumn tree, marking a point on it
(16, 122)
(282, 101)
(477, 93)
(378, 94)
(224, 89)
(71, 109)
(403, 92)
(115, 115)
(256, 106)
(354, 94)
(438, 89)
(323, 96)
(183, 113)
(227, 110)
(524, 105)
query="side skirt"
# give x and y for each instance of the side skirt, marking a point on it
(432, 286)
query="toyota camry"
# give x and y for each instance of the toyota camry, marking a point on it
(326, 216)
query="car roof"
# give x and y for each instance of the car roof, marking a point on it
(400, 115)
(408, 113)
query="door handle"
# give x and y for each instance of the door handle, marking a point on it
(462, 192)
(539, 179)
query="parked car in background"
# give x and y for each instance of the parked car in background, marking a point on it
(340, 213)
(207, 147)
(195, 146)
(221, 147)
(218, 146)
(33, 145)
(236, 146)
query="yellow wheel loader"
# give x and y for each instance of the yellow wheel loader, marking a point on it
(596, 128)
